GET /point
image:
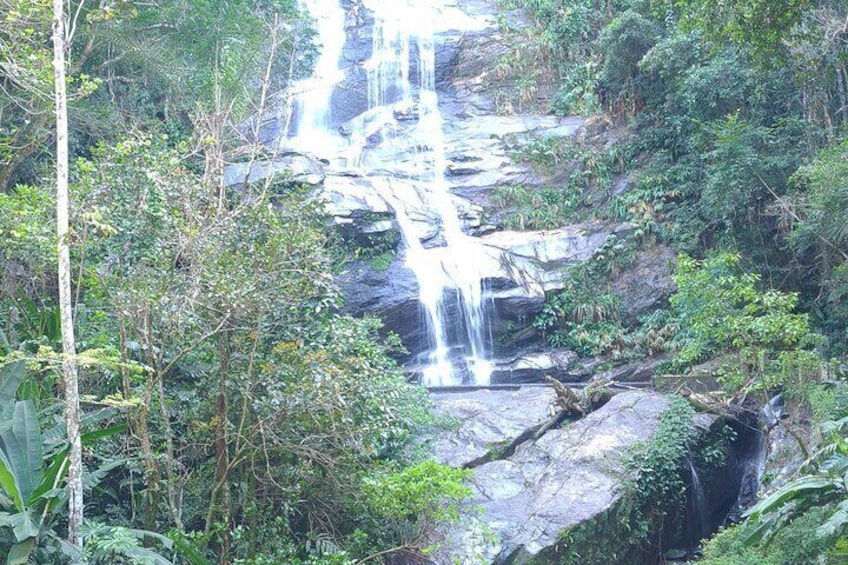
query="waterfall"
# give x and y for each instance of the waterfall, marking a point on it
(699, 527)
(403, 116)
(308, 123)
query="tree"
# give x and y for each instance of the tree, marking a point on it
(760, 25)
(721, 310)
(69, 364)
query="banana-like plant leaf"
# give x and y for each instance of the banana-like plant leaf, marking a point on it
(20, 552)
(88, 437)
(22, 525)
(11, 376)
(9, 483)
(142, 535)
(835, 522)
(795, 490)
(23, 448)
(56, 470)
(767, 525)
(52, 477)
(145, 555)
(69, 550)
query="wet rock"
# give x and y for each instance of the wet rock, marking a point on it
(533, 367)
(294, 168)
(390, 294)
(347, 197)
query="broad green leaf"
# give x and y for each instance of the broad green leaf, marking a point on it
(19, 553)
(7, 410)
(145, 555)
(835, 522)
(146, 534)
(796, 489)
(11, 376)
(190, 554)
(22, 525)
(23, 446)
(89, 437)
(69, 550)
(9, 483)
(766, 525)
(52, 477)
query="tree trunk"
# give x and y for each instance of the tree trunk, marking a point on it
(222, 451)
(69, 365)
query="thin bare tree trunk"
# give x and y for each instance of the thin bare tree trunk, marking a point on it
(69, 365)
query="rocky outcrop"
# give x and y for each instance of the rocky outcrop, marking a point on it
(646, 284)
(489, 421)
(517, 269)
(291, 167)
(371, 169)
(568, 476)
(528, 493)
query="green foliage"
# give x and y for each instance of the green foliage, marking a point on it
(797, 542)
(32, 473)
(745, 162)
(26, 237)
(761, 25)
(622, 45)
(816, 216)
(114, 545)
(821, 486)
(579, 176)
(719, 309)
(427, 492)
(660, 462)
(587, 323)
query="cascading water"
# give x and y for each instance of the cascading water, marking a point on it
(451, 293)
(697, 510)
(308, 122)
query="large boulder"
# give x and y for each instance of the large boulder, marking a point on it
(542, 494)
(489, 421)
(545, 487)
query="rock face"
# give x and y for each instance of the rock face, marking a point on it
(490, 421)
(527, 493)
(566, 477)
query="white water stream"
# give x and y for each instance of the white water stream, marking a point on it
(401, 78)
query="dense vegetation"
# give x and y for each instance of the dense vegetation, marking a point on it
(231, 415)
(718, 129)
(257, 425)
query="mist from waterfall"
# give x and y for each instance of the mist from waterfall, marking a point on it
(403, 114)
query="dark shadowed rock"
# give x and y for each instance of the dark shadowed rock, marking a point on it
(392, 295)
(646, 284)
